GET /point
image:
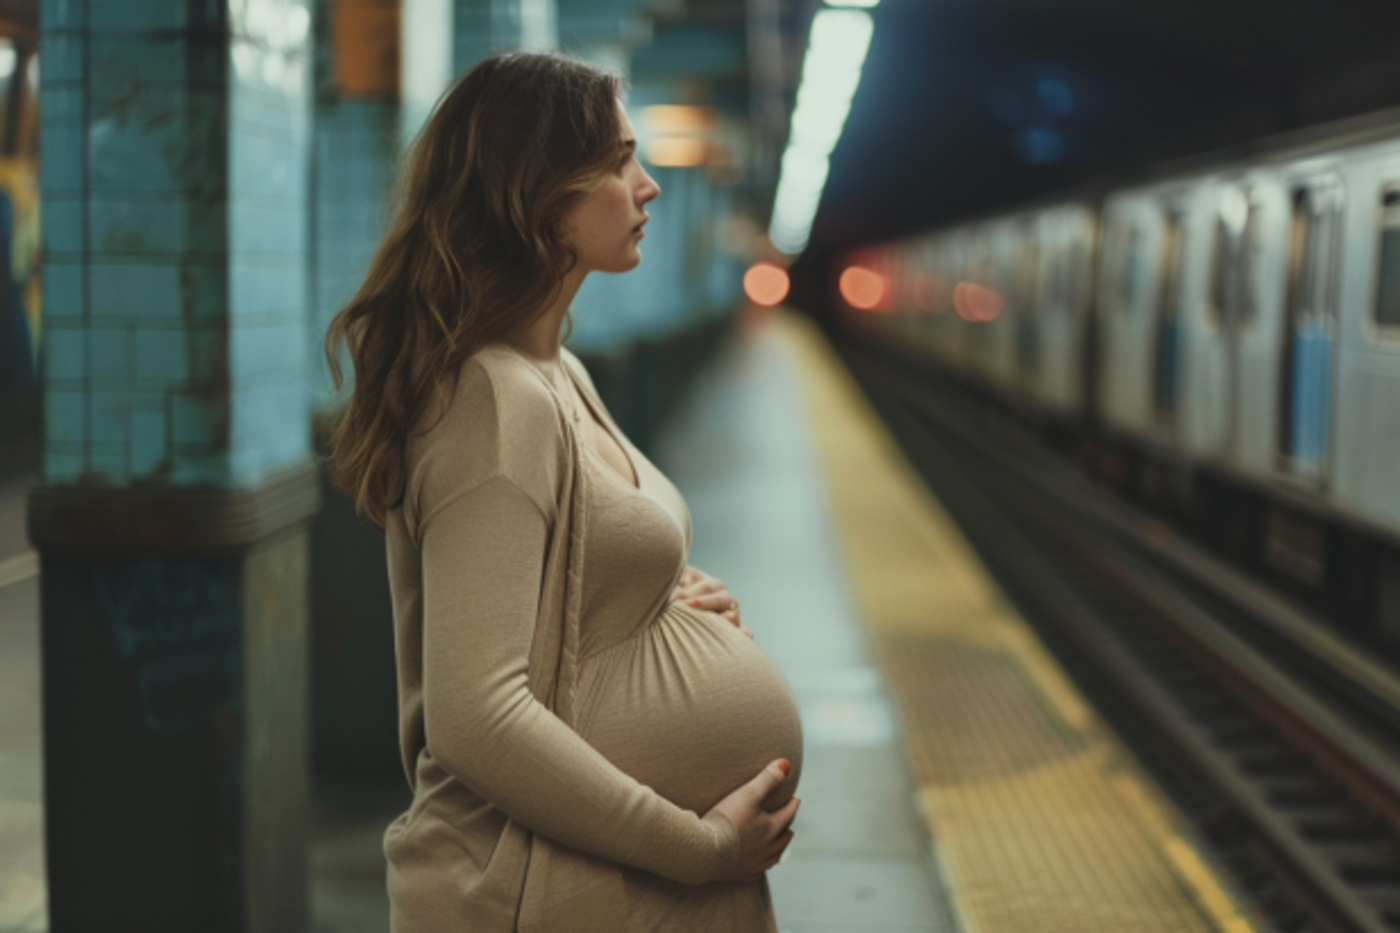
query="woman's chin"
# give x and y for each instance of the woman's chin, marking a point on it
(628, 263)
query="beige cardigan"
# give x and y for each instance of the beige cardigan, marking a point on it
(515, 817)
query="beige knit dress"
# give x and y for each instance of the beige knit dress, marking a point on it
(564, 725)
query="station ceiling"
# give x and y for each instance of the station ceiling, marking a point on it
(968, 106)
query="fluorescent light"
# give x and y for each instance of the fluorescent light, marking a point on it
(677, 151)
(831, 72)
(863, 4)
(673, 119)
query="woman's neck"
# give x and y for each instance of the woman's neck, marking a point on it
(541, 340)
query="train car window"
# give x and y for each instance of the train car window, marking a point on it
(1079, 286)
(1387, 310)
(1313, 225)
(1130, 269)
(1027, 280)
(1234, 263)
(1222, 262)
(1170, 291)
(1251, 265)
(1007, 258)
(1057, 268)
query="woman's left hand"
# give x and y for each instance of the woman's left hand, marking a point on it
(703, 591)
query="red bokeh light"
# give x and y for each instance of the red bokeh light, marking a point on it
(863, 288)
(976, 303)
(766, 284)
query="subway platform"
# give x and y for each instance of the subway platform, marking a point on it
(954, 779)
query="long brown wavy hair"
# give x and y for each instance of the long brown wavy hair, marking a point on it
(475, 251)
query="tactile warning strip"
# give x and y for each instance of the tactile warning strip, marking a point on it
(1041, 819)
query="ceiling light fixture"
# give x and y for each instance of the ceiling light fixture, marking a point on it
(831, 72)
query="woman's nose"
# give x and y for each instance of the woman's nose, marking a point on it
(650, 188)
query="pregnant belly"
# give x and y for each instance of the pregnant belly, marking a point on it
(692, 708)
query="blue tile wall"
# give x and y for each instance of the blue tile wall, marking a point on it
(65, 415)
(356, 151)
(109, 360)
(63, 289)
(65, 352)
(135, 289)
(176, 156)
(138, 15)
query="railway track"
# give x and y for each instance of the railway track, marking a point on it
(1279, 741)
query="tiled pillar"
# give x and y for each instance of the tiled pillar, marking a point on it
(177, 475)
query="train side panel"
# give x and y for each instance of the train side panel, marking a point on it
(1062, 385)
(1125, 327)
(1366, 439)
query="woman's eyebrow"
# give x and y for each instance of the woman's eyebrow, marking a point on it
(630, 145)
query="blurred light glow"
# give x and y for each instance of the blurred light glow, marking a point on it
(1056, 98)
(863, 288)
(976, 303)
(831, 70)
(8, 58)
(766, 284)
(1039, 145)
(670, 151)
(863, 4)
(677, 118)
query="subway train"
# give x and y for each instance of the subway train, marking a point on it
(1220, 340)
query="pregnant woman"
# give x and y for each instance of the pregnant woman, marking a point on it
(593, 740)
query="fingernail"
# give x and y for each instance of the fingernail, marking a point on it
(695, 602)
(784, 766)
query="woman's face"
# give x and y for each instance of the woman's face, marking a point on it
(605, 225)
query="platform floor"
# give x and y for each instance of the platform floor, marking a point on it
(742, 453)
(1041, 819)
(953, 779)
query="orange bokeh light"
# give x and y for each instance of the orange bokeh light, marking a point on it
(766, 284)
(863, 288)
(976, 303)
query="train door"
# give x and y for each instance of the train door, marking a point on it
(1310, 326)
(1027, 305)
(1166, 357)
(1211, 424)
(1118, 397)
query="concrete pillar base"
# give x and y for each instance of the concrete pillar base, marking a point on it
(175, 709)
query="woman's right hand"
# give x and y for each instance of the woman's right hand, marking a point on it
(762, 835)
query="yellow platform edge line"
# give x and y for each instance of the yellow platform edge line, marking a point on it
(840, 418)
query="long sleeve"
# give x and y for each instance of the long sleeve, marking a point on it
(483, 540)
